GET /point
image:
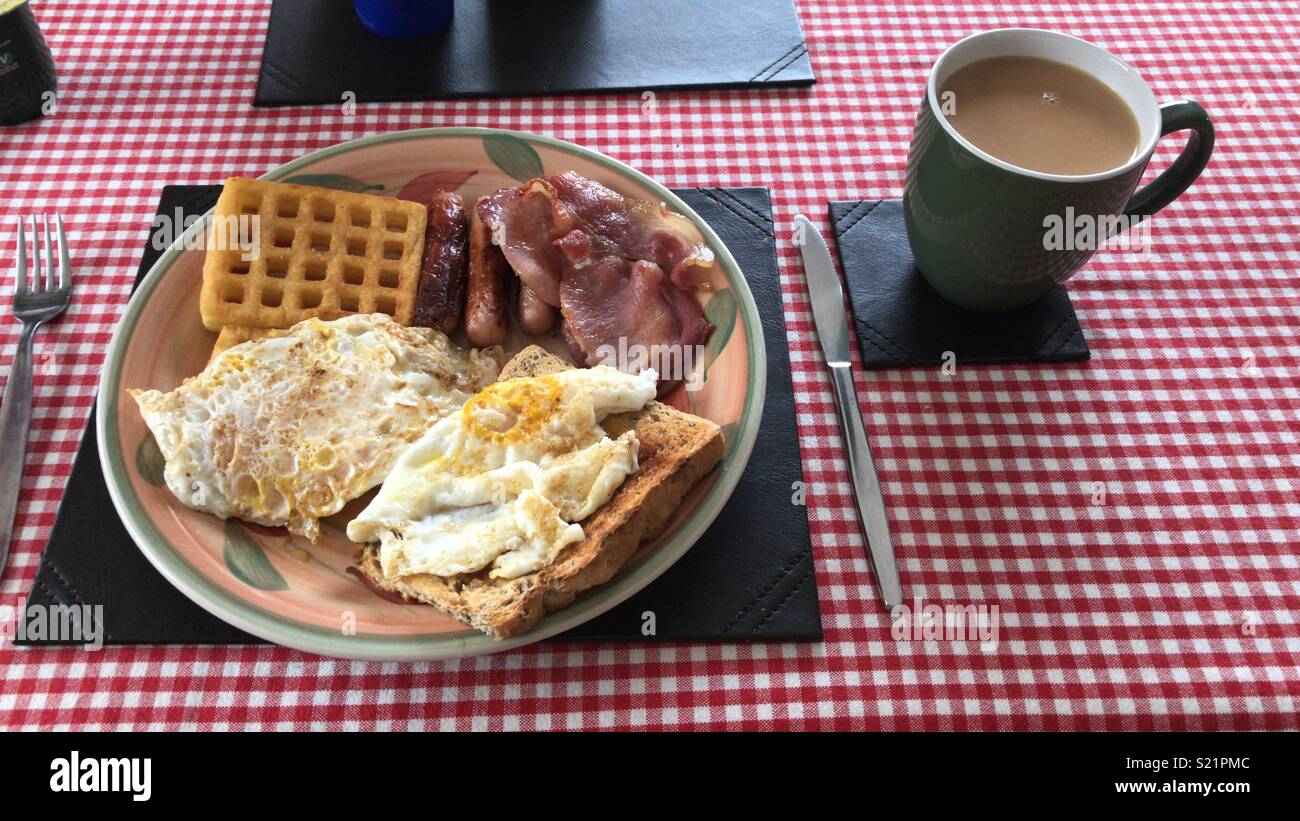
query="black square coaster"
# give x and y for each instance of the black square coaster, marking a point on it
(317, 50)
(901, 321)
(738, 583)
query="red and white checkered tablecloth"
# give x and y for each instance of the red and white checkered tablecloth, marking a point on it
(1171, 604)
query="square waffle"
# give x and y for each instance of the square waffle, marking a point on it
(321, 253)
(232, 335)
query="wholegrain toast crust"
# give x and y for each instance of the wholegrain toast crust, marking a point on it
(677, 450)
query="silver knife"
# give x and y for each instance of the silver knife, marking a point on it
(827, 296)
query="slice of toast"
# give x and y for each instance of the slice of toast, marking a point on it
(677, 451)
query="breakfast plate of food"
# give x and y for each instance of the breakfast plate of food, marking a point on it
(431, 394)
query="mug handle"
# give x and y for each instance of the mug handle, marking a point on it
(1175, 179)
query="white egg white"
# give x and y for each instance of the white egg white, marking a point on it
(287, 429)
(503, 481)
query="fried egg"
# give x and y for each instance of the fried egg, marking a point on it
(287, 429)
(502, 483)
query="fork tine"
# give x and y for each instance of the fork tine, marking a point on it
(20, 276)
(49, 255)
(65, 263)
(34, 286)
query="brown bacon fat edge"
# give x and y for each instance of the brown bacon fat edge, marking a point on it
(617, 268)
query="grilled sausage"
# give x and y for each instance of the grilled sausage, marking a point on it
(535, 316)
(486, 318)
(443, 271)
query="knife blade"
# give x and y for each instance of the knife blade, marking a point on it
(827, 298)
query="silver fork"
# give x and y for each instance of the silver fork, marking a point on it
(35, 303)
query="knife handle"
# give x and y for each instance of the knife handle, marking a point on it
(866, 487)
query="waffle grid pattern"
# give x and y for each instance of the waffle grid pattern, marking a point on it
(317, 253)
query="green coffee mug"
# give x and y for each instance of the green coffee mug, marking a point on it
(976, 224)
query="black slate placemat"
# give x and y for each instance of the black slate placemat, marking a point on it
(900, 320)
(317, 50)
(750, 577)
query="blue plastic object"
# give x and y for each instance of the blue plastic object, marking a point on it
(404, 19)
